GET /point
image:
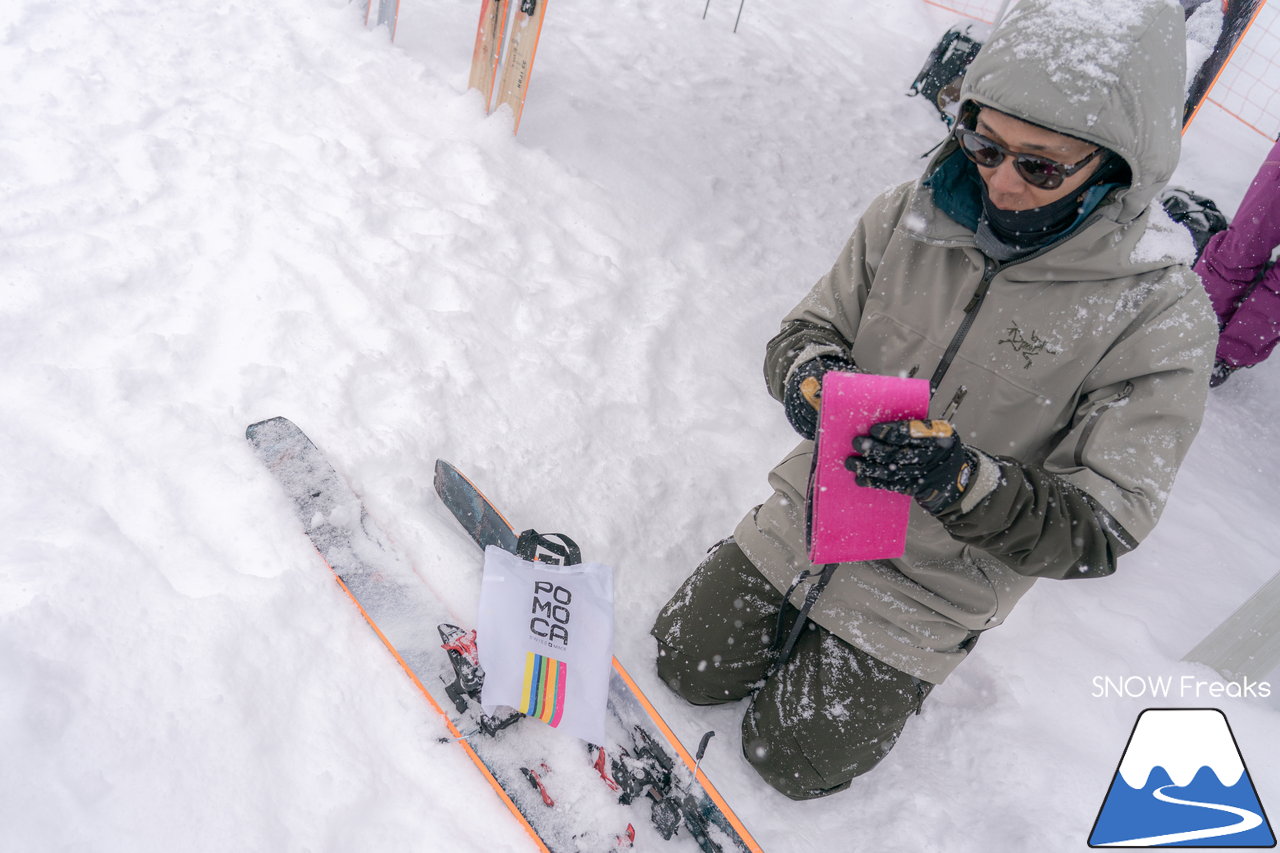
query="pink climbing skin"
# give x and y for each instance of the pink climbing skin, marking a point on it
(848, 522)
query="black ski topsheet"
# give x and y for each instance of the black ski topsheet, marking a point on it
(411, 621)
(1238, 16)
(700, 802)
(484, 524)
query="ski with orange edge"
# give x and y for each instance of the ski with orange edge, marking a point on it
(383, 13)
(643, 764)
(1238, 17)
(522, 47)
(529, 765)
(383, 587)
(488, 50)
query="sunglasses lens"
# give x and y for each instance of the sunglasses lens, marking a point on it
(1038, 172)
(980, 150)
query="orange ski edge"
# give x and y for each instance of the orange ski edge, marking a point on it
(658, 721)
(729, 814)
(458, 738)
(517, 69)
(1204, 99)
(482, 495)
(486, 56)
(528, 74)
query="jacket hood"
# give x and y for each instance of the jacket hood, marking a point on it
(1111, 72)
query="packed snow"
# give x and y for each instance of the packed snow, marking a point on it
(218, 212)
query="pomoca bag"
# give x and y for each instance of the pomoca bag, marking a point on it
(545, 639)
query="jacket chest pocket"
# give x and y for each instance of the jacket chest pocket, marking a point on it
(889, 347)
(995, 411)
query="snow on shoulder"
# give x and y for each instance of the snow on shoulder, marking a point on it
(1163, 239)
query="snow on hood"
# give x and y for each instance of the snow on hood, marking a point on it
(1107, 71)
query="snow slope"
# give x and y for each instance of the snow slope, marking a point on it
(217, 212)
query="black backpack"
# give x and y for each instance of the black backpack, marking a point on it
(1197, 214)
(939, 80)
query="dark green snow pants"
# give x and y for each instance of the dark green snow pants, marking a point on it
(830, 714)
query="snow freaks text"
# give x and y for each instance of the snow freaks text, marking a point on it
(1180, 687)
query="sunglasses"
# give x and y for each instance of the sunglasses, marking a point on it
(1040, 172)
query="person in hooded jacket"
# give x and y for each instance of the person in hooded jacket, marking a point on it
(1068, 348)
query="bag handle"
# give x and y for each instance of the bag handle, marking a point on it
(554, 549)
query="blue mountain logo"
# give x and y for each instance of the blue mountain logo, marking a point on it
(1182, 783)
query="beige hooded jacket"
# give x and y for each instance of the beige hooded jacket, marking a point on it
(1080, 371)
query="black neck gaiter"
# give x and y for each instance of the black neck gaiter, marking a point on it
(1008, 234)
(1024, 229)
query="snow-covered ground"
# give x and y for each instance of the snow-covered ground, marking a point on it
(217, 212)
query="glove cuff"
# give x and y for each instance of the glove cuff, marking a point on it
(982, 482)
(829, 356)
(975, 478)
(801, 403)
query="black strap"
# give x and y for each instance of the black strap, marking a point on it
(810, 598)
(544, 548)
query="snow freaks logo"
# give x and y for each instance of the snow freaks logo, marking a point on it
(1182, 783)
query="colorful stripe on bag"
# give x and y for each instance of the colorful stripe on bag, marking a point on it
(544, 682)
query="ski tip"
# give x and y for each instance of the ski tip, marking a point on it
(253, 429)
(443, 470)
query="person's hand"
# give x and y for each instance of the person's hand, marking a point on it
(802, 397)
(924, 459)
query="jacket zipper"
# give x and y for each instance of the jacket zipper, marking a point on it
(970, 314)
(975, 302)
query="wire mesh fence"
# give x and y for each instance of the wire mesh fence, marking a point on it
(1248, 88)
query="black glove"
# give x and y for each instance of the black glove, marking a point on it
(802, 397)
(1221, 373)
(924, 459)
